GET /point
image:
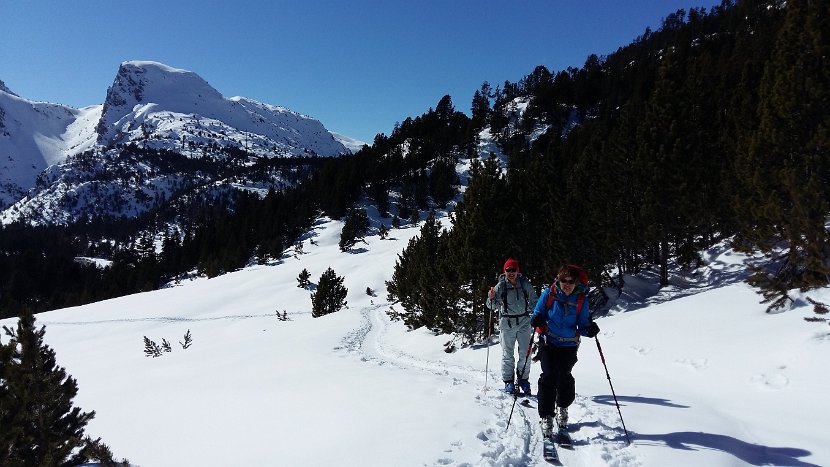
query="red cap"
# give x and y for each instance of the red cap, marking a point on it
(511, 263)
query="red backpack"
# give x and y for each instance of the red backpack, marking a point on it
(583, 279)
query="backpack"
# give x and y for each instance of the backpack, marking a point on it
(580, 299)
(504, 296)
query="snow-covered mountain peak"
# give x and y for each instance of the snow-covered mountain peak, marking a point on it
(142, 81)
(150, 101)
(4, 88)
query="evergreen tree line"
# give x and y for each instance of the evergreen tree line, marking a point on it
(715, 126)
(38, 267)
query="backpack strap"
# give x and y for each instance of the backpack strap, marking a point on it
(520, 285)
(580, 299)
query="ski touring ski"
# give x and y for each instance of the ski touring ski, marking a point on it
(563, 438)
(549, 438)
(559, 439)
(550, 452)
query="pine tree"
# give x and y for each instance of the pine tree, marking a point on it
(188, 340)
(593, 240)
(406, 204)
(9, 432)
(302, 279)
(378, 191)
(354, 228)
(481, 238)
(480, 107)
(39, 425)
(441, 178)
(445, 109)
(151, 348)
(330, 295)
(551, 200)
(422, 282)
(661, 134)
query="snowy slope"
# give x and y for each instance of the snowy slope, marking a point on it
(705, 379)
(35, 135)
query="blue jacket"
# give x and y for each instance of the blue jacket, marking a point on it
(563, 328)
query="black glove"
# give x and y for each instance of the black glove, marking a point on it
(593, 330)
(538, 321)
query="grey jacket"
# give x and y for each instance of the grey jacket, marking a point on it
(512, 301)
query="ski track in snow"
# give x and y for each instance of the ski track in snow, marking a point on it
(598, 437)
(159, 319)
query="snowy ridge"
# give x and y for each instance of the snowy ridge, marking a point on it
(35, 135)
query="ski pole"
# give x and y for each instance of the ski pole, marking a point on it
(487, 364)
(516, 393)
(602, 357)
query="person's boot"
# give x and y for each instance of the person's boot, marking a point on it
(524, 385)
(546, 423)
(562, 418)
(509, 387)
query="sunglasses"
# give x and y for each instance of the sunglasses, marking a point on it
(567, 281)
(510, 270)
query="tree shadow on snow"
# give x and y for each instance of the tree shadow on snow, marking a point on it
(608, 399)
(483, 344)
(750, 453)
(753, 454)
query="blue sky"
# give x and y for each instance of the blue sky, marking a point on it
(358, 66)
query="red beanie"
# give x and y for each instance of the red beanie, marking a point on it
(511, 263)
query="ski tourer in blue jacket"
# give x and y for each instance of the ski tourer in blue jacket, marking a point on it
(564, 325)
(561, 322)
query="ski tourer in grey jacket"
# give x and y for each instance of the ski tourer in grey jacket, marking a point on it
(514, 303)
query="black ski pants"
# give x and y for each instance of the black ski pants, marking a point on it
(556, 384)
